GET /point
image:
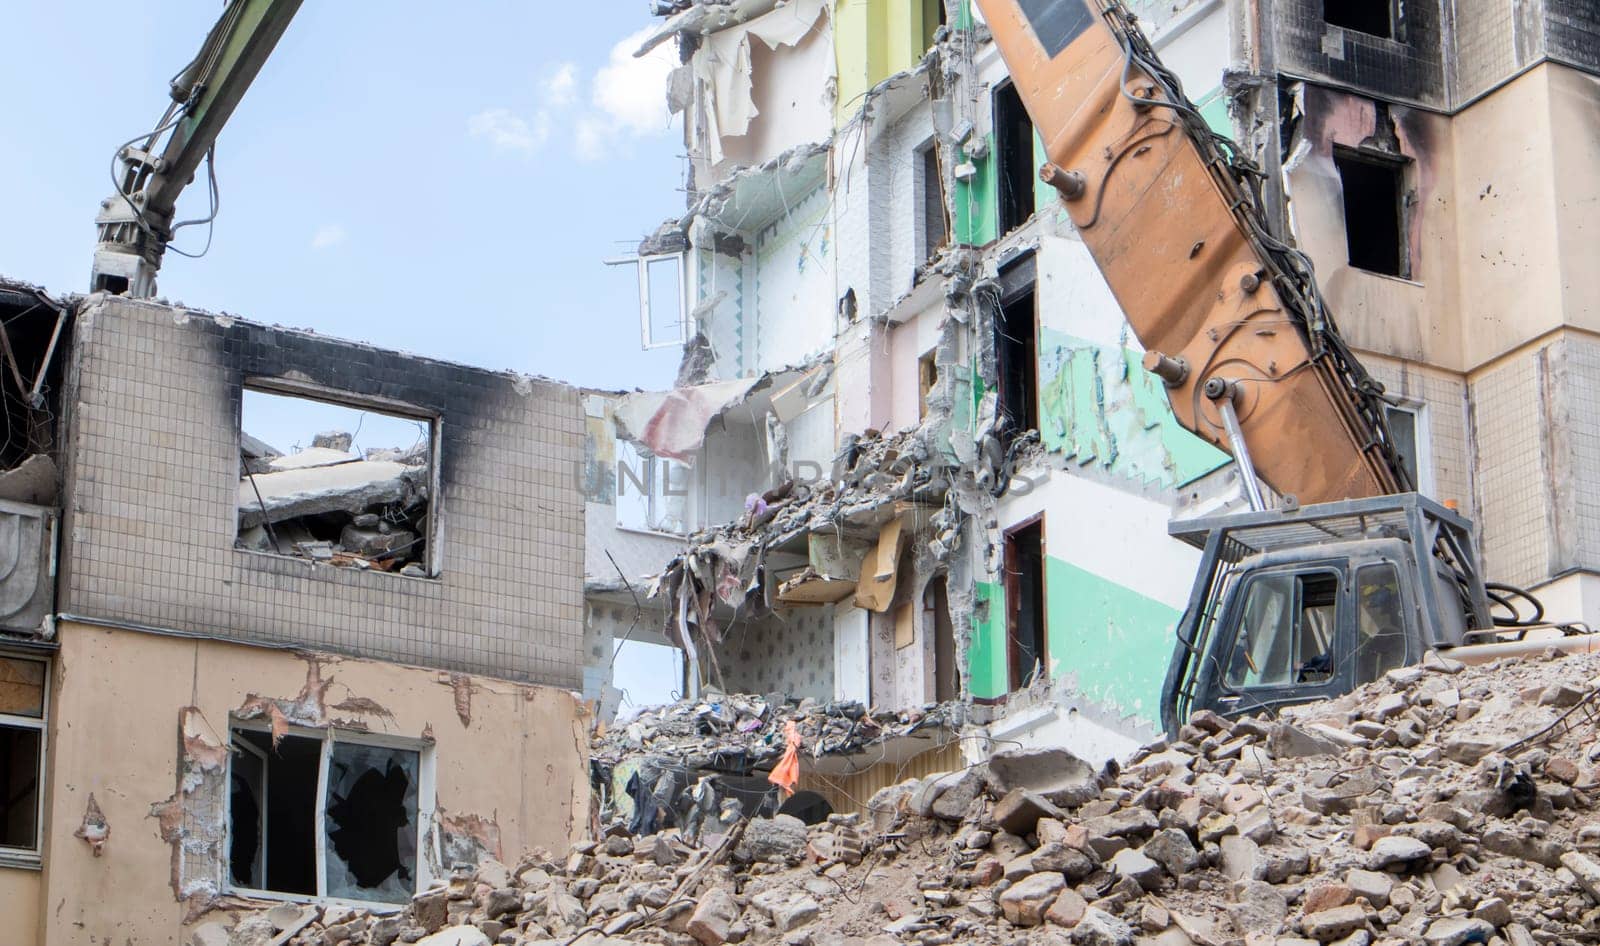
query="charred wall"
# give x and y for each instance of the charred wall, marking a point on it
(151, 519)
(1407, 67)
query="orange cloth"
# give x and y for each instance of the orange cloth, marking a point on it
(786, 773)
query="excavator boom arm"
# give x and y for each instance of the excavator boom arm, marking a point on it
(1230, 317)
(135, 224)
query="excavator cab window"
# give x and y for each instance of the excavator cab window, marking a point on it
(1380, 622)
(1288, 631)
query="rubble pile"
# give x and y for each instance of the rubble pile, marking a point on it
(329, 505)
(1440, 806)
(696, 733)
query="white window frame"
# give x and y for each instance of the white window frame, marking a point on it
(1424, 441)
(24, 857)
(658, 486)
(647, 339)
(327, 738)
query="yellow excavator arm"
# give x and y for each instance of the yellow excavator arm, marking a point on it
(1230, 317)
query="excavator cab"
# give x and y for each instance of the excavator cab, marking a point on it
(1297, 605)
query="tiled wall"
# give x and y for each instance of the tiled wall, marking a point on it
(1412, 71)
(1514, 512)
(150, 519)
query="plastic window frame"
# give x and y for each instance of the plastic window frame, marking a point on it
(426, 812)
(31, 858)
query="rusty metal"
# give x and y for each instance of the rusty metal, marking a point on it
(1172, 371)
(1170, 214)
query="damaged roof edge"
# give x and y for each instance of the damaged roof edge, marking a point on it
(706, 17)
(520, 381)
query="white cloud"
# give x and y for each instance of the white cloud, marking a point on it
(628, 97)
(506, 131)
(327, 235)
(562, 85)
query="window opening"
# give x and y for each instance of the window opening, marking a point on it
(1408, 428)
(23, 696)
(652, 492)
(1374, 212)
(356, 495)
(1380, 622)
(1013, 133)
(359, 799)
(1016, 357)
(927, 380)
(935, 228)
(663, 298)
(936, 602)
(1286, 631)
(1373, 17)
(1025, 620)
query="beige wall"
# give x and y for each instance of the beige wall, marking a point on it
(19, 904)
(510, 771)
(1505, 204)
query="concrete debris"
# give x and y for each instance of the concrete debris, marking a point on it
(1138, 862)
(33, 481)
(328, 505)
(697, 764)
(875, 481)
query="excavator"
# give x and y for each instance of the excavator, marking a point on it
(1351, 573)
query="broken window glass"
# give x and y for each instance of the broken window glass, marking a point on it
(22, 712)
(364, 818)
(371, 820)
(335, 483)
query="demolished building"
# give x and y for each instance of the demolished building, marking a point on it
(867, 255)
(232, 674)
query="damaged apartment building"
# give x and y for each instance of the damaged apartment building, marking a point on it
(912, 455)
(273, 603)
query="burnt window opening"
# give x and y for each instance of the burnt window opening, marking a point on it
(1015, 169)
(365, 816)
(1373, 17)
(1374, 212)
(1027, 649)
(336, 483)
(23, 696)
(933, 229)
(1017, 362)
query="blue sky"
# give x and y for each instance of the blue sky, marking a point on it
(438, 178)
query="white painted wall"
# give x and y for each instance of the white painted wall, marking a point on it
(1114, 535)
(851, 667)
(794, 286)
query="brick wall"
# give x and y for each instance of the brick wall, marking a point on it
(150, 517)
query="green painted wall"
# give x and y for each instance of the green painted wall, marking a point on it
(1112, 641)
(988, 675)
(977, 202)
(1099, 406)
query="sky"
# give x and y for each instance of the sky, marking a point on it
(444, 179)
